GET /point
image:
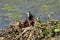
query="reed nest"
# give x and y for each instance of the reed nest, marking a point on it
(40, 31)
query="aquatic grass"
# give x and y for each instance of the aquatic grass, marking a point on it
(15, 15)
(9, 7)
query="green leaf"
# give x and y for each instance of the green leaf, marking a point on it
(56, 30)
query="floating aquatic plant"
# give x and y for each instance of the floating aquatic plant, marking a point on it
(45, 7)
(15, 15)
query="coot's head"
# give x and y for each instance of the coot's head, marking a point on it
(27, 14)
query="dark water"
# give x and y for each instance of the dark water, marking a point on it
(40, 8)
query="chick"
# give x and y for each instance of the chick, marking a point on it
(21, 24)
(27, 22)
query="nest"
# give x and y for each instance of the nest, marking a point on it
(36, 32)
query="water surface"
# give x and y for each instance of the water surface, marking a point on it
(40, 8)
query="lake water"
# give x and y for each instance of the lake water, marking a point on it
(41, 8)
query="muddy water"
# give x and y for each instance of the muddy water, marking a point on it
(40, 8)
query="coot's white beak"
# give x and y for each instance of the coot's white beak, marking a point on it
(27, 14)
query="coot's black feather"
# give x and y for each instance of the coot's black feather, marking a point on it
(30, 16)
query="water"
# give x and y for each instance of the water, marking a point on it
(36, 7)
